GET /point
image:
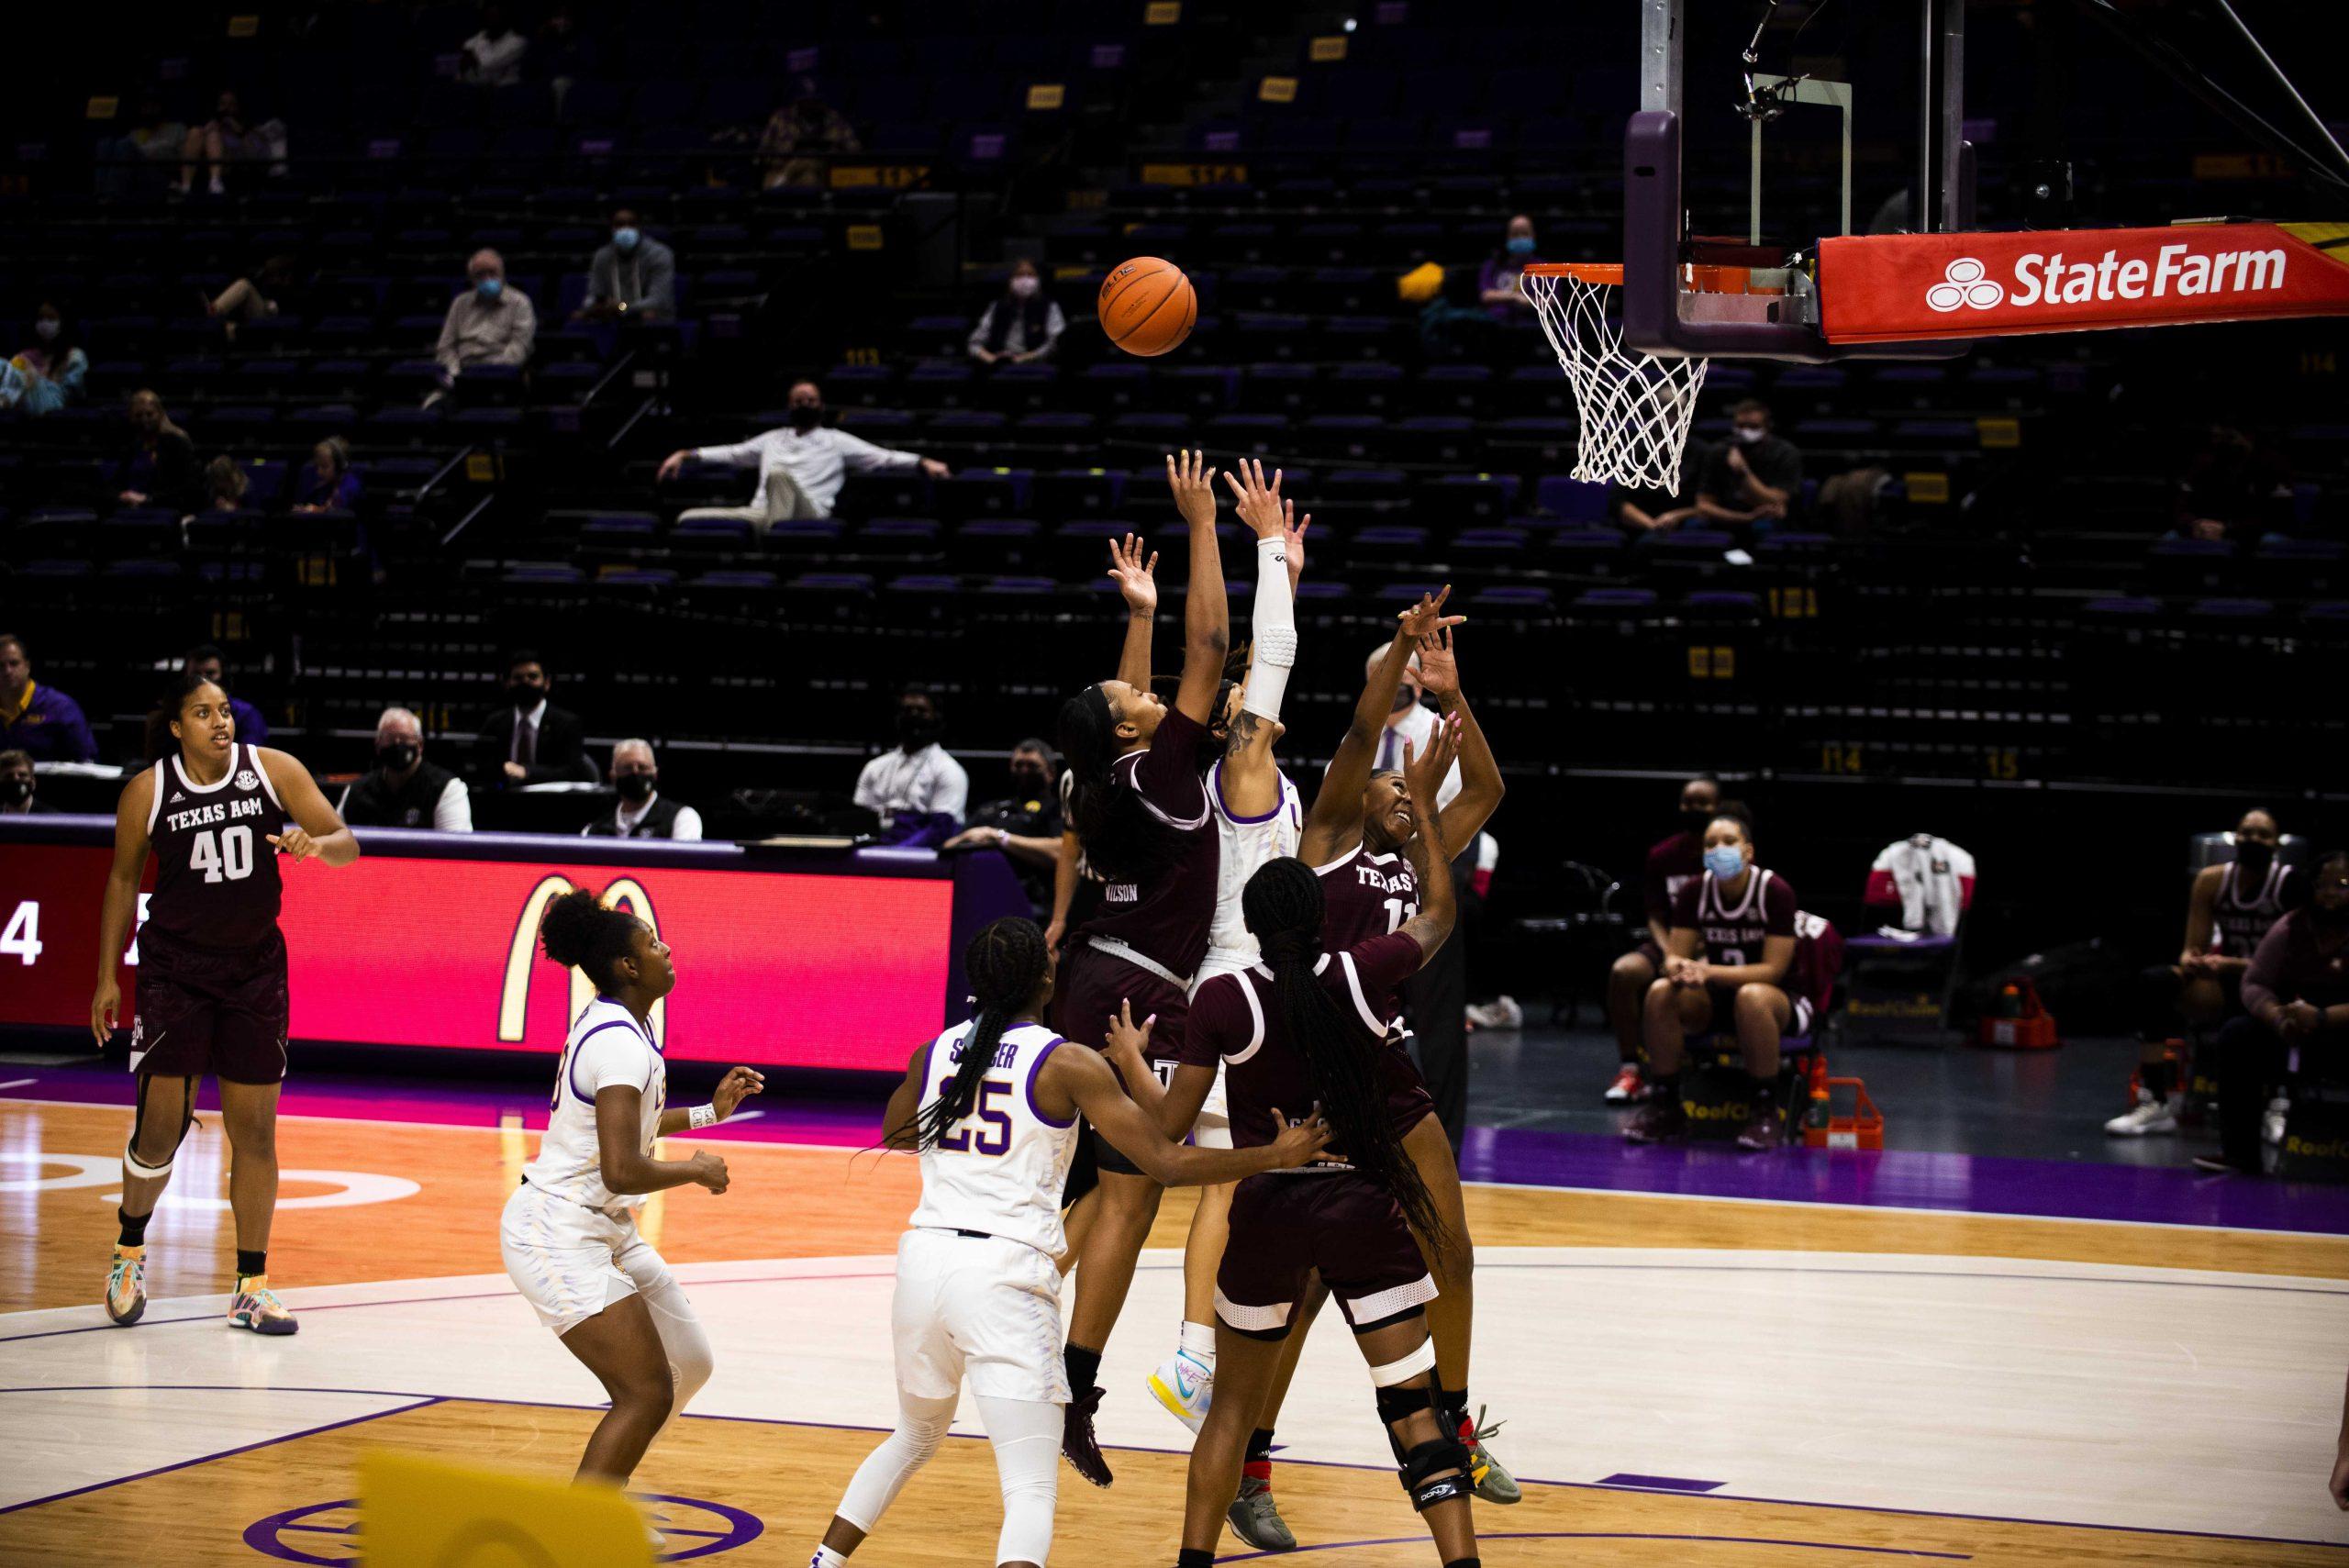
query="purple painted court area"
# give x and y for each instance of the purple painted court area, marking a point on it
(1963, 1184)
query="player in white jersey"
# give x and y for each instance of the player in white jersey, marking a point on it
(991, 1105)
(569, 1233)
(1258, 819)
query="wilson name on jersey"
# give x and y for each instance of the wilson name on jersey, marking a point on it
(1000, 1169)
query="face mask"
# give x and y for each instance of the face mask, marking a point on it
(1724, 861)
(626, 238)
(1405, 698)
(45, 329)
(2255, 859)
(1748, 434)
(490, 288)
(397, 758)
(1520, 245)
(2330, 917)
(1027, 781)
(14, 791)
(915, 728)
(805, 416)
(635, 788)
(1023, 288)
(523, 696)
(1694, 821)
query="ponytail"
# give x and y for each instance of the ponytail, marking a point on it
(1122, 841)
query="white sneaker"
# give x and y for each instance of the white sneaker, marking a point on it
(2151, 1115)
(1501, 1013)
(2271, 1125)
(1186, 1387)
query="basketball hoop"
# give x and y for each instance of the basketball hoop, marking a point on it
(1634, 409)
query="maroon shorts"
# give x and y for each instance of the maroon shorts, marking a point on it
(1286, 1225)
(1407, 1100)
(1653, 953)
(1090, 986)
(199, 1011)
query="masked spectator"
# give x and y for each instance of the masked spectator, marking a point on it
(801, 468)
(1025, 824)
(642, 813)
(1496, 282)
(530, 740)
(1021, 326)
(38, 720)
(916, 790)
(403, 790)
(489, 324)
(48, 372)
(17, 781)
(1755, 475)
(633, 276)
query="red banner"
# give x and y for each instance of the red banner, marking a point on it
(1894, 288)
(773, 968)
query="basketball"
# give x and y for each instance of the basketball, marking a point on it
(1147, 306)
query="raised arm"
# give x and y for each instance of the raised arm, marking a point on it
(1084, 1077)
(1207, 619)
(1422, 777)
(1480, 775)
(1135, 572)
(1335, 822)
(120, 900)
(317, 829)
(1063, 888)
(1251, 778)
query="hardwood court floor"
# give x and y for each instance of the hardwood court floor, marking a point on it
(1842, 1380)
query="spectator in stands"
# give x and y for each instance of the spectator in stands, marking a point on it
(158, 467)
(493, 57)
(17, 781)
(916, 790)
(801, 468)
(1752, 477)
(1022, 325)
(1496, 282)
(489, 324)
(2228, 910)
(530, 740)
(205, 660)
(632, 277)
(562, 54)
(225, 140)
(140, 160)
(1025, 824)
(257, 294)
(2233, 487)
(641, 813)
(1672, 864)
(48, 372)
(1726, 965)
(798, 136)
(224, 485)
(1409, 722)
(328, 484)
(2296, 1014)
(38, 719)
(403, 790)
(1642, 512)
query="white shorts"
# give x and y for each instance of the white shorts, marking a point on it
(980, 1306)
(571, 1262)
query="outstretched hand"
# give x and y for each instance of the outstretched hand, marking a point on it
(1293, 542)
(1135, 574)
(1439, 671)
(739, 1084)
(1192, 482)
(1428, 616)
(1259, 503)
(1423, 775)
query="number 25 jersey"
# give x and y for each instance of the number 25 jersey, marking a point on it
(1001, 1168)
(216, 872)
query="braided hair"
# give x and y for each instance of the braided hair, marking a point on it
(1283, 907)
(580, 931)
(1122, 841)
(1007, 964)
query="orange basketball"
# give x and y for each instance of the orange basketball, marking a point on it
(1147, 306)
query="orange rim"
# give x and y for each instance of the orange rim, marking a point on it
(1695, 277)
(1608, 273)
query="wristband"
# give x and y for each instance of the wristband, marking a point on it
(703, 1116)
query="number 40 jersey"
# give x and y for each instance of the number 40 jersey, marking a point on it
(999, 1171)
(216, 872)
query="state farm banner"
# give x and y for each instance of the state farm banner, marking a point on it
(1894, 288)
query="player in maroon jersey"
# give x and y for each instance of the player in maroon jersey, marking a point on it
(1672, 864)
(1309, 1023)
(211, 973)
(1138, 806)
(1728, 950)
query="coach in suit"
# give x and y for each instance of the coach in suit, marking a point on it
(530, 740)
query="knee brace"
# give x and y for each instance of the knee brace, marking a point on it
(1424, 1465)
(138, 1168)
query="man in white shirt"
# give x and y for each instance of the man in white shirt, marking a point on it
(801, 467)
(403, 790)
(918, 791)
(641, 813)
(1409, 722)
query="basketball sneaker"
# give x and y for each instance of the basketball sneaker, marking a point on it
(1078, 1445)
(1501, 1013)
(2150, 1115)
(1186, 1387)
(256, 1306)
(1659, 1120)
(1494, 1485)
(1628, 1086)
(1256, 1518)
(127, 1285)
(1762, 1130)
(2271, 1123)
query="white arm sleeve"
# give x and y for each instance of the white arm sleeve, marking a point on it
(687, 826)
(1274, 630)
(949, 790)
(742, 454)
(453, 812)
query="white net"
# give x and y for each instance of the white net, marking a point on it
(1634, 409)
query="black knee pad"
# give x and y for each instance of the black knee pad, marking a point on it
(138, 1124)
(1428, 1460)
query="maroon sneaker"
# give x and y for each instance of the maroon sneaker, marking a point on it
(1659, 1119)
(1078, 1445)
(1762, 1130)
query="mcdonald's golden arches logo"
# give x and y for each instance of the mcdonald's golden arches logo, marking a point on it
(514, 993)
